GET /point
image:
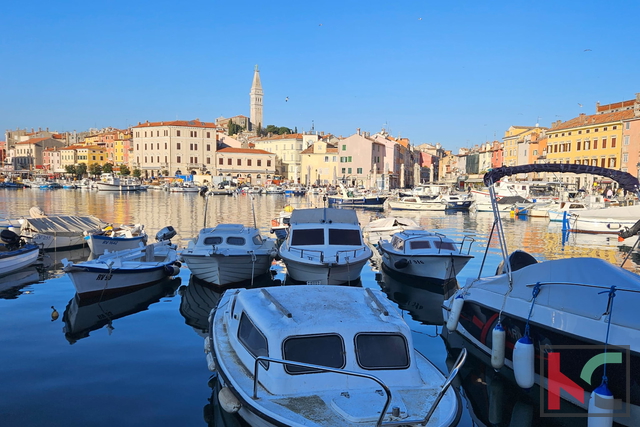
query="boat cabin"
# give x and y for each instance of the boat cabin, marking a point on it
(228, 235)
(344, 329)
(418, 240)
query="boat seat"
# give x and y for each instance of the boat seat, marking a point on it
(517, 260)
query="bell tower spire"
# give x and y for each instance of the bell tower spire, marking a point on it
(256, 101)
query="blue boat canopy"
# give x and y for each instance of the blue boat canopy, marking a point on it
(625, 179)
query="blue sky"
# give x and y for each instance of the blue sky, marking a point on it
(458, 73)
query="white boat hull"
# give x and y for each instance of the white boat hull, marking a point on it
(17, 260)
(437, 267)
(99, 244)
(418, 206)
(103, 186)
(54, 242)
(318, 273)
(223, 270)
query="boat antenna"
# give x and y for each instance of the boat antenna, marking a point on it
(253, 212)
(499, 230)
(206, 204)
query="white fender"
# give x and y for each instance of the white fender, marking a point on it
(454, 314)
(599, 396)
(498, 337)
(523, 362)
(228, 401)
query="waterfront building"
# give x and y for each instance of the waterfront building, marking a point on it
(176, 147)
(52, 160)
(27, 155)
(319, 164)
(595, 139)
(249, 165)
(630, 161)
(366, 161)
(287, 149)
(516, 144)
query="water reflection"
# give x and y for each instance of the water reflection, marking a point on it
(11, 285)
(421, 298)
(83, 316)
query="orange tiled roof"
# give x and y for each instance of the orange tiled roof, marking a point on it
(615, 105)
(186, 123)
(242, 151)
(594, 119)
(31, 141)
(287, 136)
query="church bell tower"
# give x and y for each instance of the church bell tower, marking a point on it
(255, 118)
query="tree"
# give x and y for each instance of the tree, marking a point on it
(71, 170)
(260, 131)
(124, 170)
(282, 130)
(81, 169)
(234, 128)
(107, 168)
(95, 169)
(137, 173)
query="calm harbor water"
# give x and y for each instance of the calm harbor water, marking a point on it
(138, 360)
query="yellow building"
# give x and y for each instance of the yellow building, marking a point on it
(319, 164)
(595, 140)
(517, 142)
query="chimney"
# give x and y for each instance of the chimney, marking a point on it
(358, 131)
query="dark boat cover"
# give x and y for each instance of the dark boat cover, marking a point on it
(625, 179)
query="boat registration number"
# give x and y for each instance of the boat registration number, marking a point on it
(314, 282)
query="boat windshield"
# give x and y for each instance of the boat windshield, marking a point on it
(369, 356)
(314, 236)
(344, 237)
(325, 350)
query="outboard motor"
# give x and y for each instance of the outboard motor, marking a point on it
(166, 233)
(11, 240)
(627, 232)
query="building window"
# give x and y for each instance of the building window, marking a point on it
(326, 159)
(145, 147)
(595, 144)
(208, 134)
(586, 145)
(220, 161)
(178, 159)
(349, 170)
(239, 162)
(178, 145)
(208, 160)
(625, 141)
(613, 141)
(625, 157)
(248, 162)
(229, 162)
(191, 147)
(604, 142)
(165, 145)
(259, 162)
(344, 170)
(359, 171)
(177, 133)
(578, 142)
(208, 147)
(344, 147)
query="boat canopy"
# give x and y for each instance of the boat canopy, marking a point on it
(625, 179)
(63, 225)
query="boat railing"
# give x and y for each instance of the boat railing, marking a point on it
(401, 422)
(469, 240)
(312, 254)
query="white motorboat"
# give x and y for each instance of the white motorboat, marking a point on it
(567, 208)
(184, 187)
(414, 203)
(114, 272)
(611, 220)
(529, 310)
(116, 238)
(351, 198)
(324, 356)
(110, 182)
(61, 232)
(273, 189)
(426, 191)
(15, 254)
(384, 228)
(324, 246)
(229, 253)
(425, 254)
